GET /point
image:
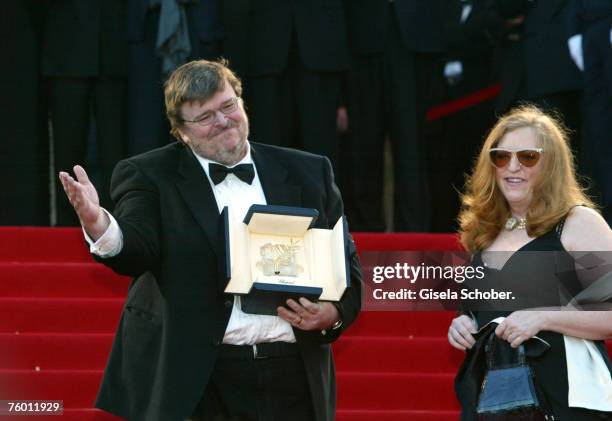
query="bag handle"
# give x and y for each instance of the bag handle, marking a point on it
(492, 345)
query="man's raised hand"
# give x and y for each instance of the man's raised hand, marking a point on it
(83, 197)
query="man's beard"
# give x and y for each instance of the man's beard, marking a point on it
(228, 156)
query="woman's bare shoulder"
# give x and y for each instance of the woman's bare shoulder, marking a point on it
(586, 230)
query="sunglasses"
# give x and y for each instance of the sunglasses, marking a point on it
(526, 157)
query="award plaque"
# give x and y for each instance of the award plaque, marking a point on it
(275, 254)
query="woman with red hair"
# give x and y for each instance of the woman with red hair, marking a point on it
(523, 196)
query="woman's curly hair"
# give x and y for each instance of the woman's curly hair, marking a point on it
(556, 190)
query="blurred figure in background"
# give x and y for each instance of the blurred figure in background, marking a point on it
(472, 29)
(24, 159)
(394, 48)
(536, 64)
(163, 35)
(296, 53)
(84, 57)
(590, 27)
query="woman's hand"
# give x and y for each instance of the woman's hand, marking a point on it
(460, 332)
(520, 326)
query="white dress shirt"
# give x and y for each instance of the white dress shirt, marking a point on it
(238, 196)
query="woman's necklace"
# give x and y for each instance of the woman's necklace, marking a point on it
(516, 223)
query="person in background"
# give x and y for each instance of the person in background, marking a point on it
(163, 35)
(472, 31)
(84, 60)
(296, 53)
(590, 45)
(24, 152)
(394, 47)
(536, 66)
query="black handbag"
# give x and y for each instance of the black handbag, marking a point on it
(508, 391)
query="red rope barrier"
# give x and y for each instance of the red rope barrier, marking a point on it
(467, 101)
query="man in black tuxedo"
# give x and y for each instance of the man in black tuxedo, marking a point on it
(536, 64)
(589, 24)
(471, 27)
(184, 348)
(84, 57)
(394, 46)
(24, 160)
(296, 53)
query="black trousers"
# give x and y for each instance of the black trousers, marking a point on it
(455, 140)
(388, 94)
(24, 159)
(296, 108)
(272, 387)
(71, 100)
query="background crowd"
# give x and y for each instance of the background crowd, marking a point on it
(349, 79)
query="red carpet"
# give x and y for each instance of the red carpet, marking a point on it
(59, 310)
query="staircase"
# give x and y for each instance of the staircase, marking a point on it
(59, 310)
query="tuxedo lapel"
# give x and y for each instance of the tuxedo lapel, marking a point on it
(199, 197)
(195, 189)
(274, 179)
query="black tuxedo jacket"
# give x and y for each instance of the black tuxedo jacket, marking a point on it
(584, 12)
(318, 25)
(474, 39)
(85, 39)
(176, 312)
(538, 64)
(420, 23)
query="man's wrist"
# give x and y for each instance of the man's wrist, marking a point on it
(337, 322)
(99, 227)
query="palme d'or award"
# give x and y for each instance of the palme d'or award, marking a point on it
(275, 254)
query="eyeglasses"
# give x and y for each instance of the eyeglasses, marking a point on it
(526, 157)
(208, 117)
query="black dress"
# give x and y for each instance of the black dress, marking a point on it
(543, 262)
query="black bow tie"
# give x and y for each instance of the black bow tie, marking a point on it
(245, 172)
